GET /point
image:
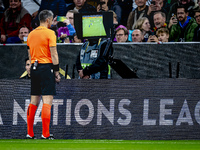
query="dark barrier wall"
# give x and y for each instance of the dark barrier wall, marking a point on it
(156, 109)
(150, 60)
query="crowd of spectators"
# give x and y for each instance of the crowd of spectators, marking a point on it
(134, 20)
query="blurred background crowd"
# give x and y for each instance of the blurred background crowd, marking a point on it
(134, 20)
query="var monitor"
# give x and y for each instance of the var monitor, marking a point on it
(93, 25)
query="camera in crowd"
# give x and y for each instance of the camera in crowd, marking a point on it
(101, 4)
(153, 2)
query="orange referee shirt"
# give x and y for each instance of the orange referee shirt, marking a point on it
(39, 41)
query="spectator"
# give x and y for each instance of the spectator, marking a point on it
(23, 33)
(32, 6)
(183, 31)
(197, 30)
(159, 19)
(70, 16)
(139, 12)
(173, 21)
(123, 8)
(14, 18)
(156, 5)
(22, 36)
(190, 5)
(2, 8)
(66, 33)
(115, 21)
(121, 34)
(137, 36)
(143, 25)
(58, 7)
(113, 6)
(163, 34)
(82, 6)
(103, 5)
(68, 30)
(152, 38)
(115, 24)
(27, 73)
(75, 39)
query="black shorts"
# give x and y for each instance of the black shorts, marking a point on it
(43, 80)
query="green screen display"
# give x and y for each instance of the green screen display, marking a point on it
(93, 26)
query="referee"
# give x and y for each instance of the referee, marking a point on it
(44, 72)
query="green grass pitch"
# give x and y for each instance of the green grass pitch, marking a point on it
(20, 144)
(93, 26)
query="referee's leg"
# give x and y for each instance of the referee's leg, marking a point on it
(31, 114)
(46, 114)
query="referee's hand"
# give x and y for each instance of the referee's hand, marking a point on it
(57, 76)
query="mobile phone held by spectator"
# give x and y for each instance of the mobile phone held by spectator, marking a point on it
(61, 18)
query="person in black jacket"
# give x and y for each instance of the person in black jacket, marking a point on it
(82, 6)
(197, 30)
(92, 62)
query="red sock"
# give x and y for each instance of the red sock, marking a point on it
(46, 117)
(30, 118)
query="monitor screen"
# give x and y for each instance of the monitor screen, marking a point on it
(93, 25)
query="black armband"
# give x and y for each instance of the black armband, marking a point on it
(56, 67)
(28, 47)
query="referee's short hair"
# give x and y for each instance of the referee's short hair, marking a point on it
(44, 15)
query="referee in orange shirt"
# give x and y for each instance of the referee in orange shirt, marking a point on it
(44, 72)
